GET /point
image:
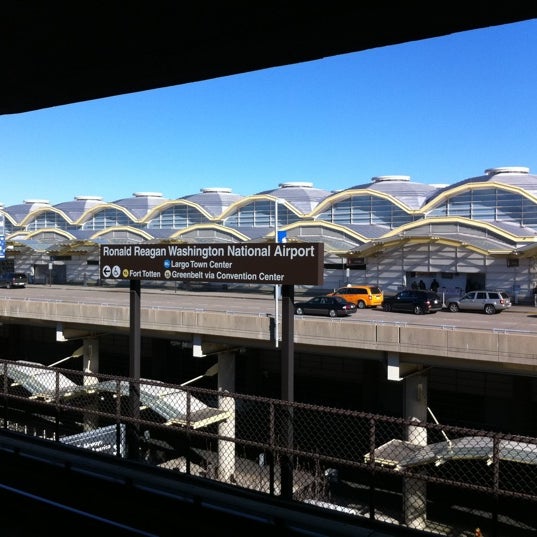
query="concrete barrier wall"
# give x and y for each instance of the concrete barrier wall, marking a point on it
(507, 350)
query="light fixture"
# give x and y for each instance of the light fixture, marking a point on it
(76, 354)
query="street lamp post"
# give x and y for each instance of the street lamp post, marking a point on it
(276, 287)
(2, 234)
(287, 369)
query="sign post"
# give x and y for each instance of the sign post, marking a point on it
(2, 236)
(133, 429)
(287, 367)
(279, 236)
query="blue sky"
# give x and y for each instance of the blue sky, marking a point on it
(438, 110)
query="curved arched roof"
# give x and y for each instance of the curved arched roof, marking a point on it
(76, 208)
(20, 211)
(502, 203)
(302, 195)
(413, 195)
(515, 176)
(215, 200)
(141, 203)
(481, 235)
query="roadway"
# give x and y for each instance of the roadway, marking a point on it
(517, 318)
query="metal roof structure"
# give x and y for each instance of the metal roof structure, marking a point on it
(412, 194)
(76, 208)
(214, 200)
(493, 214)
(401, 454)
(42, 383)
(141, 202)
(302, 195)
(176, 405)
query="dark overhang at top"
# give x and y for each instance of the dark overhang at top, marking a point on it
(59, 53)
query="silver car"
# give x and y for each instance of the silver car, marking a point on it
(489, 302)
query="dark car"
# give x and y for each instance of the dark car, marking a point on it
(13, 279)
(333, 306)
(413, 301)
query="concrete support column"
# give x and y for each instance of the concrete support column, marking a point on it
(90, 360)
(415, 490)
(90, 365)
(226, 384)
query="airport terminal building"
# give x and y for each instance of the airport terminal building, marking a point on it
(474, 233)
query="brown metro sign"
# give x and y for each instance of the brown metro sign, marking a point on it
(255, 263)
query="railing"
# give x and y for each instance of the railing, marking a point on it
(428, 476)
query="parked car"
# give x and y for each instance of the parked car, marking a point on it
(364, 296)
(489, 302)
(413, 301)
(13, 279)
(333, 306)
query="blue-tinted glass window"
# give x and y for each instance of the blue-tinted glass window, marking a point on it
(107, 218)
(177, 217)
(47, 220)
(261, 213)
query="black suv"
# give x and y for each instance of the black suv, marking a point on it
(413, 301)
(13, 279)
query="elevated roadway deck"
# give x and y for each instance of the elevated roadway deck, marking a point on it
(504, 343)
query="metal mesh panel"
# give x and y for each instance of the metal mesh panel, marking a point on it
(428, 476)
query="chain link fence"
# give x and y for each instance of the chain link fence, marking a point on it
(440, 479)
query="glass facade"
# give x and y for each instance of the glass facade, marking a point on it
(177, 217)
(366, 209)
(106, 218)
(490, 205)
(261, 213)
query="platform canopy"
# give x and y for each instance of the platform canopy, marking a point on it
(401, 454)
(57, 53)
(177, 406)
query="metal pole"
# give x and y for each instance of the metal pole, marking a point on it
(288, 388)
(133, 428)
(276, 287)
(288, 343)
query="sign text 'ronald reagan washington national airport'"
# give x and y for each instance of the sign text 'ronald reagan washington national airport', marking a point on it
(264, 263)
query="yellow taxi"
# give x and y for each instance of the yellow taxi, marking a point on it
(364, 296)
